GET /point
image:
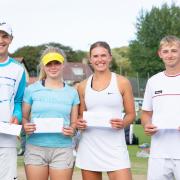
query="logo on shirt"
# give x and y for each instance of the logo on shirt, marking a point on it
(109, 93)
(158, 92)
(15, 177)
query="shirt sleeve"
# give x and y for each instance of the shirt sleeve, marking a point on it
(76, 98)
(18, 98)
(147, 101)
(28, 95)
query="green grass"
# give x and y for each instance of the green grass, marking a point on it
(139, 132)
(20, 161)
(139, 165)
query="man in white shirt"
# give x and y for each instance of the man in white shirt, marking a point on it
(161, 114)
(12, 85)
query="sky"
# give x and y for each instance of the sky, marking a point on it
(74, 23)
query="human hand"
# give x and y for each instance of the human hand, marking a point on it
(14, 120)
(150, 129)
(68, 131)
(81, 124)
(117, 123)
(29, 128)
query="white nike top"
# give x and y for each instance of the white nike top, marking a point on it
(103, 149)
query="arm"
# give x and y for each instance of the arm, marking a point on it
(149, 128)
(29, 128)
(147, 111)
(17, 113)
(69, 131)
(128, 100)
(81, 124)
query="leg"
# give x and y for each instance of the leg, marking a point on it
(36, 166)
(61, 163)
(60, 174)
(34, 172)
(91, 175)
(122, 174)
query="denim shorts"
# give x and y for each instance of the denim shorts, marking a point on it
(60, 158)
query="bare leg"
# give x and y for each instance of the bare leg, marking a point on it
(60, 174)
(122, 174)
(36, 172)
(91, 175)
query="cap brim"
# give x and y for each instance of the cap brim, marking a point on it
(52, 57)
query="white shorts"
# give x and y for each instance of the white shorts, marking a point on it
(163, 169)
(8, 163)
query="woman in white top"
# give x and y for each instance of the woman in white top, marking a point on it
(104, 95)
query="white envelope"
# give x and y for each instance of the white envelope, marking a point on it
(48, 125)
(166, 122)
(8, 128)
(98, 119)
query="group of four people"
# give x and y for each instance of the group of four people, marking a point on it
(100, 149)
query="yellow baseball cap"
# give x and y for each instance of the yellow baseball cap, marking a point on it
(52, 56)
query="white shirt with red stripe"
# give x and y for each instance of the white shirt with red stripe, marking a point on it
(162, 96)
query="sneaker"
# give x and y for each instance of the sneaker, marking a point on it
(144, 145)
(142, 154)
(20, 152)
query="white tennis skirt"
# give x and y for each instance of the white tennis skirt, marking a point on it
(102, 149)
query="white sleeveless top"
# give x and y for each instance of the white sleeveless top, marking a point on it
(103, 149)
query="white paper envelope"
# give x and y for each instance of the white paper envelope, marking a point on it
(167, 122)
(97, 119)
(48, 125)
(8, 128)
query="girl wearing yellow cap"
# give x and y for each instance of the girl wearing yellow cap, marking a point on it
(49, 151)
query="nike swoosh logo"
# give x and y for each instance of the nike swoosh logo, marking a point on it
(109, 93)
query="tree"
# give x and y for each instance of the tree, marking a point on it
(113, 65)
(151, 28)
(71, 55)
(32, 55)
(122, 60)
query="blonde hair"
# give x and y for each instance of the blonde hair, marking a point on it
(169, 40)
(49, 49)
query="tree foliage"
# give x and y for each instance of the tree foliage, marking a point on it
(122, 60)
(32, 55)
(113, 65)
(151, 28)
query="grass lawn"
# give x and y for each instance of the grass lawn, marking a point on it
(139, 165)
(139, 132)
(20, 161)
